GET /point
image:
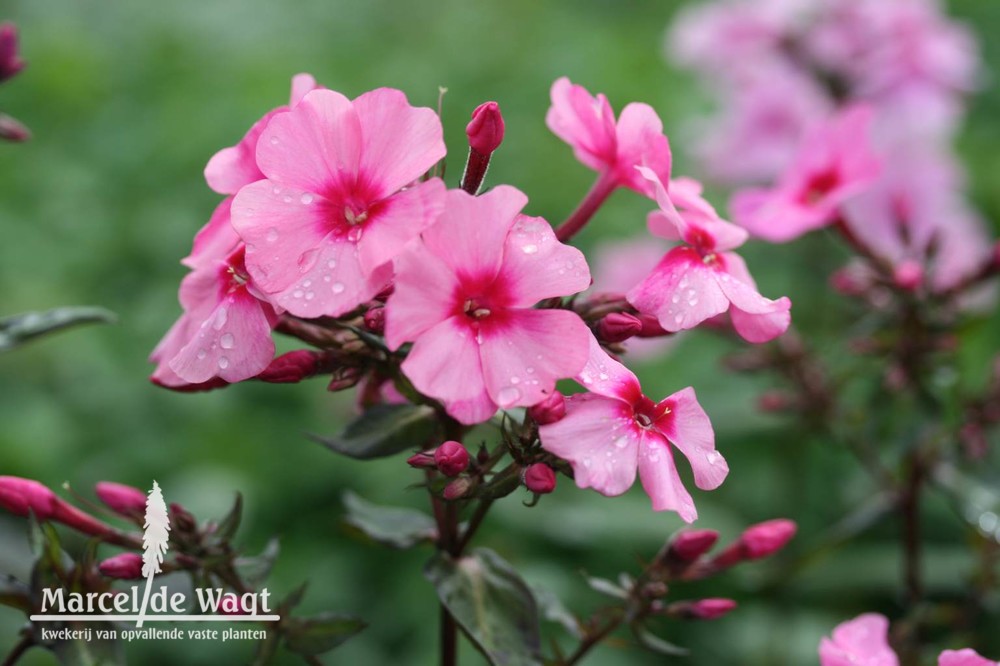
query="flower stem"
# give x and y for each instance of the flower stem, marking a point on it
(598, 194)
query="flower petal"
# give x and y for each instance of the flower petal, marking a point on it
(444, 364)
(216, 240)
(585, 122)
(641, 142)
(314, 147)
(397, 220)
(423, 296)
(966, 657)
(537, 266)
(755, 318)
(681, 292)
(233, 343)
(233, 167)
(863, 640)
(399, 142)
(688, 427)
(606, 376)
(599, 439)
(660, 479)
(524, 357)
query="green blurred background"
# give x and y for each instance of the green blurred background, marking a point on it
(128, 100)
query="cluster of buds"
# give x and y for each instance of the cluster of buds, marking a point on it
(10, 65)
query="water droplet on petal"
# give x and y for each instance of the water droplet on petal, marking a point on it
(713, 457)
(530, 248)
(221, 315)
(332, 263)
(272, 235)
(297, 293)
(354, 235)
(307, 259)
(338, 287)
(274, 141)
(227, 341)
(310, 295)
(223, 362)
(307, 283)
(306, 199)
(515, 380)
(508, 396)
(202, 354)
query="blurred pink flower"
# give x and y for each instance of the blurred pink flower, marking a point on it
(835, 162)
(614, 430)
(233, 167)
(702, 278)
(966, 657)
(10, 57)
(340, 199)
(612, 148)
(464, 297)
(863, 641)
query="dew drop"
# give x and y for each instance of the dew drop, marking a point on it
(220, 318)
(515, 380)
(508, 396)
(274, 141)
(227, 341)
(338, 287)
(286, 199)
(223, 362)
(530, 248)
(332, 263)
(272, 235)
(307, 283)
(587, 462)
(297, 293)
(307, 259)
(713, 457)
(678, 318)
(202, 354)
(354, 235)
(306, 199)
(310, 295)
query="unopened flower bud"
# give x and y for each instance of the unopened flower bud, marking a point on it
(774, 402)
(618, 327)
(24, 496)
(375, 320)
(485, 131)
(344, 378)
(127, 566)
(181, 519)
(690, 544)
(451, 458)
(767, 538)
(10, 58)
(422, 460)
(13, 130)
(550, 410)
(854, 279)
(457, 489)
(703, 609)
(123, 500)
(539, 478)
(482, 455)
(908, 275)
(651, 327)
(292, 367)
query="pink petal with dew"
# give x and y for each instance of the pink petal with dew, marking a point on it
(966, 657)
(586, 123)
(863, 640)
(606, 376)
(234, 343)
(399, 142)
(302, 85)
(397, 220)
(214, 241)
(233, 167)
(688, 427)
(283, 229)
(681, 292)
(315, 147)
(331, 282)
(641, 142)
(537, 266)
(444, 364)
(660, 480)
(599, 438)
(470, 234)
(755, 318)
(524, 356)
(423, 296)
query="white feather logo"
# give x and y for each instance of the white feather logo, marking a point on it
(155, 541)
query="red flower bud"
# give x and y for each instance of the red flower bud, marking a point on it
(422, 460)
(13, 130)
(854, 279)
(10, 59)
(767, 538)
(124, 500)
(181, 519)
(344, 378)
(292, 367)
(690, 544)
(23, 496)
(703, 609)
(651, 327)
(550, 410)
(618, 327)
(539, 478)
(451, 458)
(375, 320)
(485, 131)
(908, 275)
(773, 402)
(127, 566)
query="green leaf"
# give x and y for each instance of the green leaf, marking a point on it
(389, 526)
(321, 633)
(14, 593)
(657, 644)
(18, 329)
(255, 570)
(491, 603)
(553, 610)
(227, 528)
(605, 586)
(384, 430)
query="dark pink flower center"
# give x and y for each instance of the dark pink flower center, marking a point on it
(647, 413)
(233, 274)
(819, 185)
(350, 210)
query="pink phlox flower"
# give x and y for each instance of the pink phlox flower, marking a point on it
(614, 431)
(464, 296)
(609, 146)
(863, 641)
(340, 200)
(836, 162)
(233, 167)
(702, 278)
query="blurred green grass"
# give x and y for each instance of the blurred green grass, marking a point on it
(128, 101)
